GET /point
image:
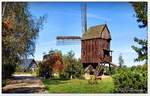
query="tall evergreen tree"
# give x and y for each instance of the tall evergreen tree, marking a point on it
(141, 51)
(140, 9)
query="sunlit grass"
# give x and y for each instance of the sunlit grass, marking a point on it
(79, 86)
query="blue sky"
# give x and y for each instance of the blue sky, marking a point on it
(65, 19)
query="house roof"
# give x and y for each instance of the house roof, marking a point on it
(26, 63)
(96, 32)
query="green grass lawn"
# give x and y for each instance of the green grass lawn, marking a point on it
(79, 86)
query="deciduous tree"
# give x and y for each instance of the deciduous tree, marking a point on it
(72, 66)
(19, 33)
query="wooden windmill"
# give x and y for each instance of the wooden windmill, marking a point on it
(95, 44)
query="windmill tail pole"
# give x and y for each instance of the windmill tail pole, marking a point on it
(114, 65)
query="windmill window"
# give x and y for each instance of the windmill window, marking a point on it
(106, 53)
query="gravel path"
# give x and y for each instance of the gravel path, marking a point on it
(24, 83)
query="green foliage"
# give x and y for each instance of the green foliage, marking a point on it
(140, 9)
(73, 67)
(145, 67)
(141, 13)
(19, 68)
(131, 80)
(142, 51)
(19, 33)
(45, 68)
(68, 66)
(65, 75)
(40, 69)
(108, 71)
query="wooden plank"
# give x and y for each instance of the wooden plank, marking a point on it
(92, 50)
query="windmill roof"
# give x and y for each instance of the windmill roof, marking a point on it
(95, 32)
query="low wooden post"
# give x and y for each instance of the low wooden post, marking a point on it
(109, 68)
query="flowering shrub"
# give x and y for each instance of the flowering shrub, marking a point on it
(52, 64)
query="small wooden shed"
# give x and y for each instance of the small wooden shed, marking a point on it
(96, 46)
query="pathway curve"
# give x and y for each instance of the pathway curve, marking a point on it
(24, 83)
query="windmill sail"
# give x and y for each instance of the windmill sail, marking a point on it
(68, 40)
(84, 17)
(71, 40)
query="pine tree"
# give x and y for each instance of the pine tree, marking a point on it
(141, 13)
(140, 9)
(142, 51)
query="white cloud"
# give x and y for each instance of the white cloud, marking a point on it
(91, 15)
(78, 13)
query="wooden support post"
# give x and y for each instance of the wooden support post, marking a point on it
(109, 68)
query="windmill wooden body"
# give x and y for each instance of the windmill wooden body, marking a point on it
(95, 46)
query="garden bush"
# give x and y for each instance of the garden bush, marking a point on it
(44, 70)
(109, 72)
(64, 76)
(130, 80)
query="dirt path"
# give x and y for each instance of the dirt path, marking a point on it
(24, 83)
